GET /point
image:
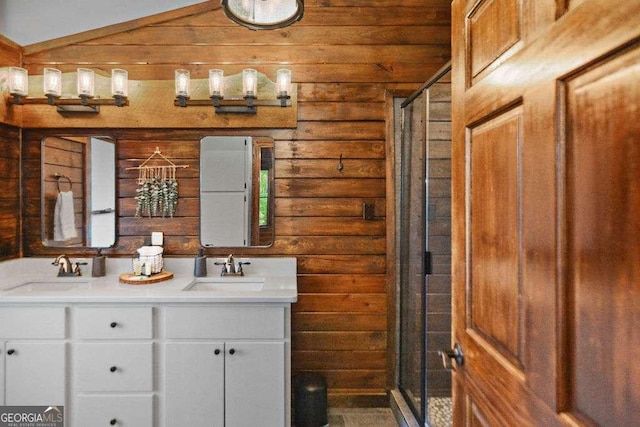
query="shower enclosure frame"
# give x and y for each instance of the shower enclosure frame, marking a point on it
(413, 257)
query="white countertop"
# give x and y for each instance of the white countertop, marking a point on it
(278, 275)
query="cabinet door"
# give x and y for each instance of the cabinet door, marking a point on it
(34, 373)
(255, 384)
(195, 384)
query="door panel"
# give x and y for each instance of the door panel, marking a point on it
(494, 281)
(494, 30)
(546, 212)
(603, 237)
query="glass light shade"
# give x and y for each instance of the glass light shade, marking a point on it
(18, 81)
(119, 82)
(216, 82)
(263, 15)
(249, 82)
(52, 82)
(183, 82)
(283, 82)
(86, 82)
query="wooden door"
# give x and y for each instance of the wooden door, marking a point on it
(546, 207)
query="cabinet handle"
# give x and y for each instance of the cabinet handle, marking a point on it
(113, 421)
(217, 351)
(232, 351)
(113, 369)
(10, 351)
(114, 324)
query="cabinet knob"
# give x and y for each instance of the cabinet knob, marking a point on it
(113, 369)
(113, 421)
(114, 324)
(217, 351)
(232, 351)
(10, 351)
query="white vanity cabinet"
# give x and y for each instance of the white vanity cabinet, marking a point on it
(227, 365)
(113, 365)
(163, 355)
(32, 355)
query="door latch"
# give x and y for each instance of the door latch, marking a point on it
(449, 356)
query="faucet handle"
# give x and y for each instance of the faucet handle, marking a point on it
(76, 268)
(240, 264)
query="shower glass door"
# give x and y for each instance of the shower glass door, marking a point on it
(424, 248)
(412, 249)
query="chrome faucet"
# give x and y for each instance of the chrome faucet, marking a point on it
(229, 267)
(66, 268)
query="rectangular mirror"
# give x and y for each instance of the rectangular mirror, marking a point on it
(78, 191)
(236, 191)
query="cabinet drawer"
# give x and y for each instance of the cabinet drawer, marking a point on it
(113, 323)
(32, 322)
(114, 367)
(225, 322)
(124, 411)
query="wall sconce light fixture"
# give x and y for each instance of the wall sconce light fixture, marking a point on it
(263, 15)
(249, 102)
(52, 89)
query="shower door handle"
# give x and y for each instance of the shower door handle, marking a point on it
(428, 263)
(451, 355)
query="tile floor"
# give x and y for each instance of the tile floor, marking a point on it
(361, 417)
(440, 415)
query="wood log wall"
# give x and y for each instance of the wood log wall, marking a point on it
(345, 57)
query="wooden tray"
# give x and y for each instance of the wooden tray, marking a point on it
(132, 279)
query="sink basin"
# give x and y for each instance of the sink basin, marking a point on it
(240, 284)
(47, 286)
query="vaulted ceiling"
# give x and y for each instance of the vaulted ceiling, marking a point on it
(26, 22)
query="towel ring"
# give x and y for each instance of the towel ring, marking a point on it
(60, 177)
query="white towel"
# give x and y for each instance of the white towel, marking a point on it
(64, 219)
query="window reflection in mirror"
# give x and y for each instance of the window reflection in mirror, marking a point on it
(78, 191)
(263, 197)
(236, 191)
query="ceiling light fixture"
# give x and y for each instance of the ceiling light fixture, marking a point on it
(264, 14)
(52, 89)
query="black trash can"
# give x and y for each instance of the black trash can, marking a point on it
(310, 400)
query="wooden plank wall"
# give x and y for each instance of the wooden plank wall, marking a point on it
(344, 56)
(10, 55)
(10, 194)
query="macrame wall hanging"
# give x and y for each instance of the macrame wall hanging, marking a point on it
(157, 193)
